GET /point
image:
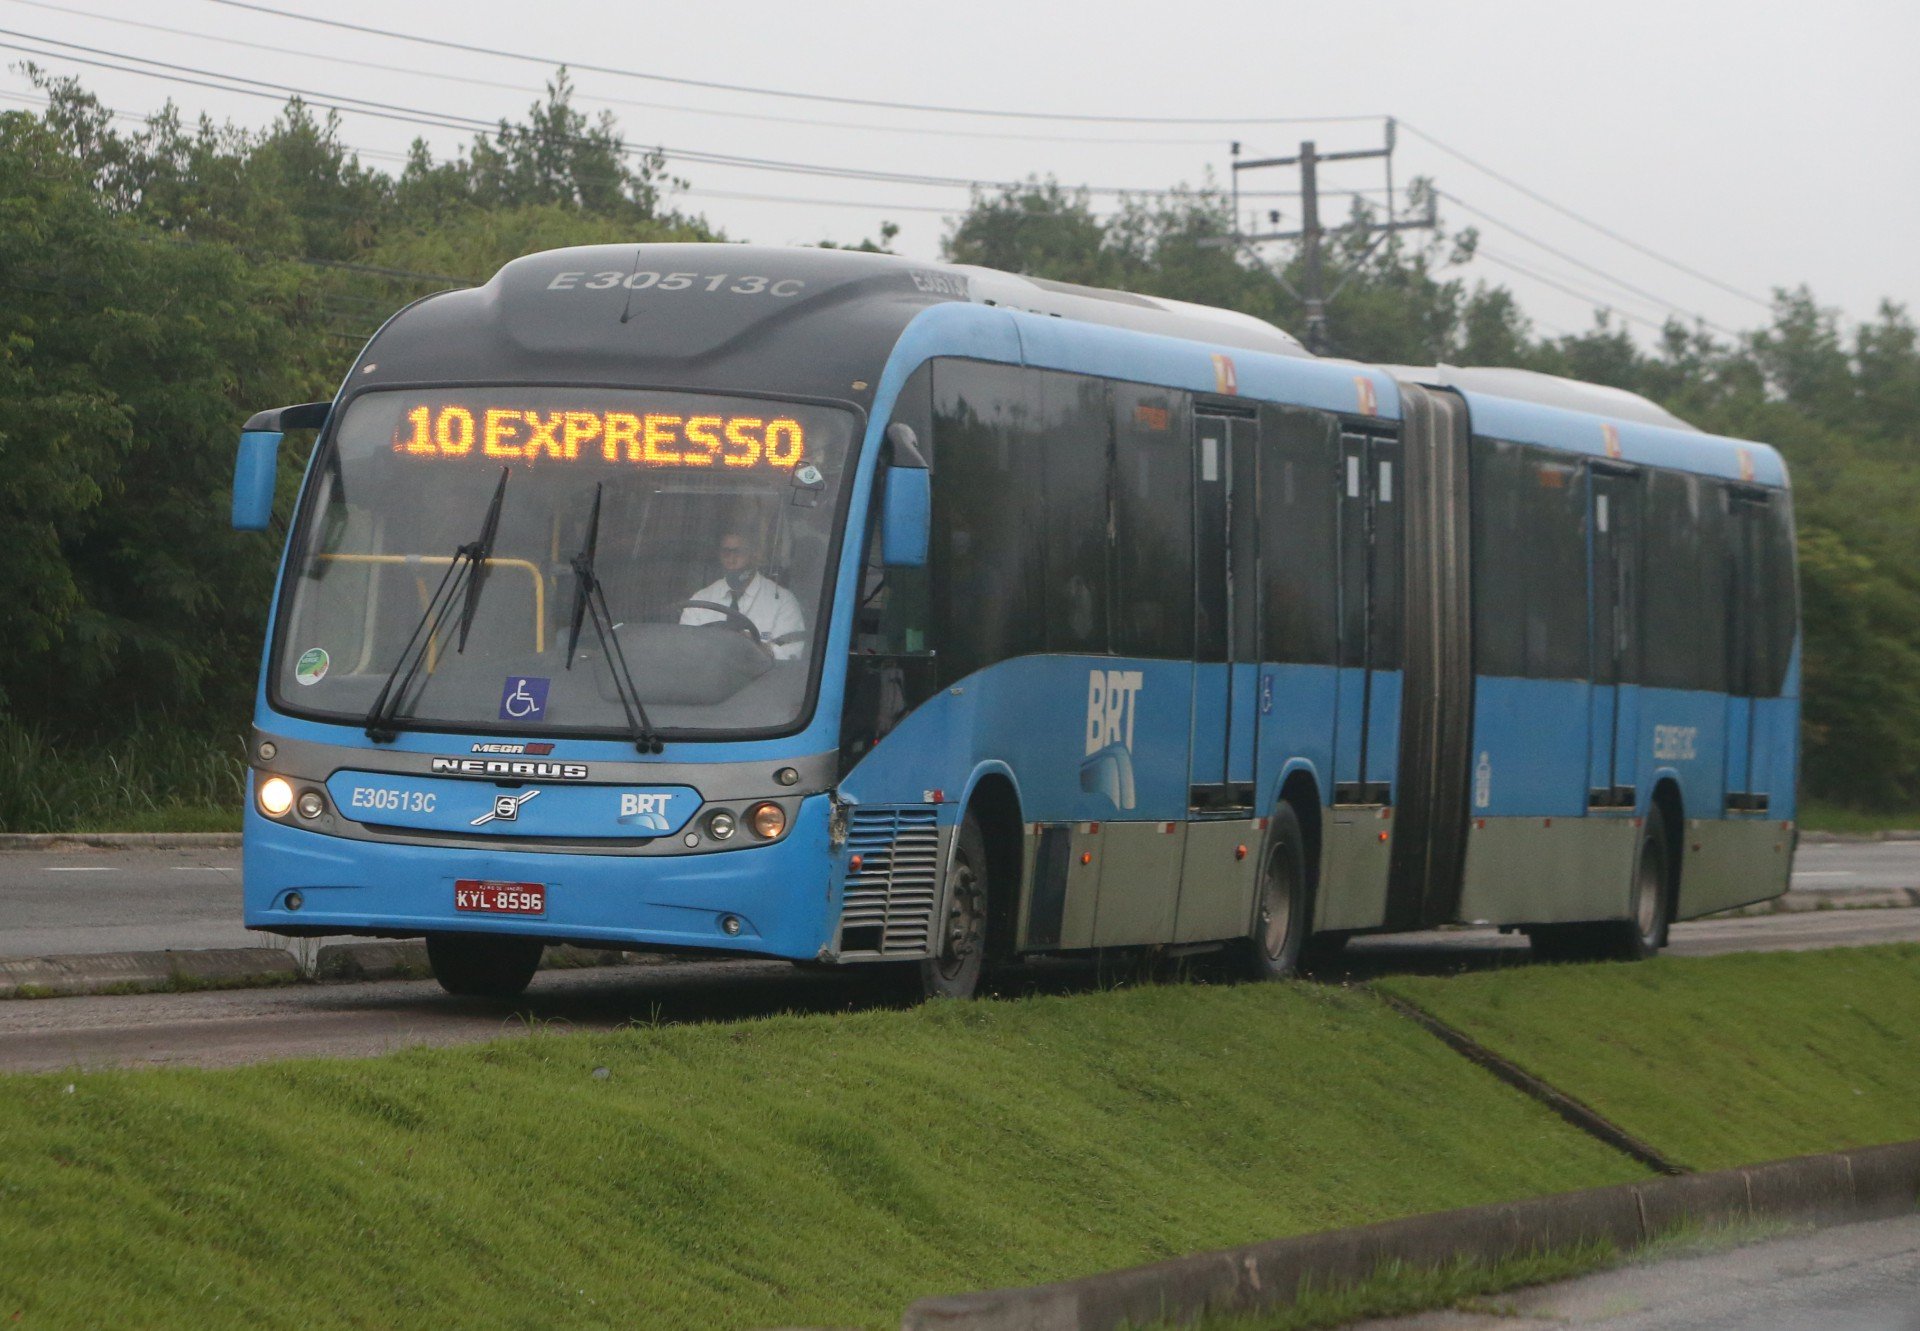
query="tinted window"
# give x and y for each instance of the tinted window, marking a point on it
(988, 516)
(1153, 522)
(1761, 638)
(1529, 562)
(1298, 498)
(1075, 441)
(1686, 583)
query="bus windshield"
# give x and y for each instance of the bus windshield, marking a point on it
(715, 529)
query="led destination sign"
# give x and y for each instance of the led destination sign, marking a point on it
(646, 439)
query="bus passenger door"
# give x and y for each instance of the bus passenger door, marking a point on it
(1614, 520)
(1746, 620)
(1367, 728)
(1225, 610)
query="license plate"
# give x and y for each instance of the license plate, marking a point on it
(491, 898)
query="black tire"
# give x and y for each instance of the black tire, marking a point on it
(960, 937)
(1271, 949)
(1649, 912)
(482, 966)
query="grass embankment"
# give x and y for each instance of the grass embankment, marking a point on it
(1715, 1062)
(151, 778)
(822, 1170)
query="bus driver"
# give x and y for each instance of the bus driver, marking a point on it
(771, 608)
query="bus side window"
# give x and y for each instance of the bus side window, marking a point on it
(988, 518)
(1300, 449)
(1152, 522)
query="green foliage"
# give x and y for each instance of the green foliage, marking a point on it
(140, 777)
(820, 1170)
(1714, 1062)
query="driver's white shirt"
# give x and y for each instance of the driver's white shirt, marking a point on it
(771, 607)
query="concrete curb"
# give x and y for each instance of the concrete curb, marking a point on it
(120, 840)
(146, 972)
(1839, 898)
(1861, 1184)
(1892, 834)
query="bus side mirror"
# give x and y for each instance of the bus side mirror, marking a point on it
(907, 516)
(253, 476)
(257, 465)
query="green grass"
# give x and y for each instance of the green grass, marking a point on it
(167, 777)
(797, 1170)
(1818, 816)
(1717, 1061)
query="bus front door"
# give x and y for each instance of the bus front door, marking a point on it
(1614, 521)
(1217, 873)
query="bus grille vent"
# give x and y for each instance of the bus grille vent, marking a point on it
(888, 909)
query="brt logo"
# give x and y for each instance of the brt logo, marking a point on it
(1113, 698)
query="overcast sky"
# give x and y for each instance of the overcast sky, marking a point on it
(1757, 144)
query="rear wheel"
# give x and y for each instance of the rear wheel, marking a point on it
(1271, 951)
(960, 945)
(481, 966)
(1650, 909)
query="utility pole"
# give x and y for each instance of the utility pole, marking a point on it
(1310, 233)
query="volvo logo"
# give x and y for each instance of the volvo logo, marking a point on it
(505, 807)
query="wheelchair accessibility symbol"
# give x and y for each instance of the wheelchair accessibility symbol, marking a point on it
(523, 698)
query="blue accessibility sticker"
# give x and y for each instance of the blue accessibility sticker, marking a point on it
(523, 698)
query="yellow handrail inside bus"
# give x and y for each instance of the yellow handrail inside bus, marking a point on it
(531, 569)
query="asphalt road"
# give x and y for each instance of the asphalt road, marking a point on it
(86, 900)
(213, 1029)
(1863, 1277)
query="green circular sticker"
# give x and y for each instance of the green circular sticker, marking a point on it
(311, 668)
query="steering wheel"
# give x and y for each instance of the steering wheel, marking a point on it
(729, 619)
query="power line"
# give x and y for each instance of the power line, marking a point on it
(1585, 298)
(762, 117)
(1541, 199)
(550, 61)
(1657, 301)
(195, 76)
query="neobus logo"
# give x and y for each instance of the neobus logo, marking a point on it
(1113, 698)
(511, 767)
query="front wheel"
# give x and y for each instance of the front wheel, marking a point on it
(960, 945)
(1272, 950)
(482, 966)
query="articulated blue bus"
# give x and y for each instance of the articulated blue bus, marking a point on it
(847, 609)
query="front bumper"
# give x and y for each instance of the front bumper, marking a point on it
(785, 895)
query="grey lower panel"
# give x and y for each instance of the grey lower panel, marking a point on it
(1733, 862)
(1065, 923)
(1353, 869)
(1549, 870)
(1217, 881)
(1139, 882)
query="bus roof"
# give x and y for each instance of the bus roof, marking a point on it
(822, 323)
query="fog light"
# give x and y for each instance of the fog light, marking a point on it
(768, 820)
(312, 805)
(720, 825)
(787, 776)
(276, 796)
(294, 901)
(730, 925)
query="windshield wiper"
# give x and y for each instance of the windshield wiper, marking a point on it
(589, 599)
(469, 565)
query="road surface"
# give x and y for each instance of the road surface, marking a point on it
(354, 1020)
(88, 900)
(1863, 1277)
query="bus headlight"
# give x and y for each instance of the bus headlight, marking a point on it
(719, 824)
(276, 796)
(767, 820)
(312, 804)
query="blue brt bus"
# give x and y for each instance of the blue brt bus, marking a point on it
(841, 608)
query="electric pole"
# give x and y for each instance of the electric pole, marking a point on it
(1310, 233)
